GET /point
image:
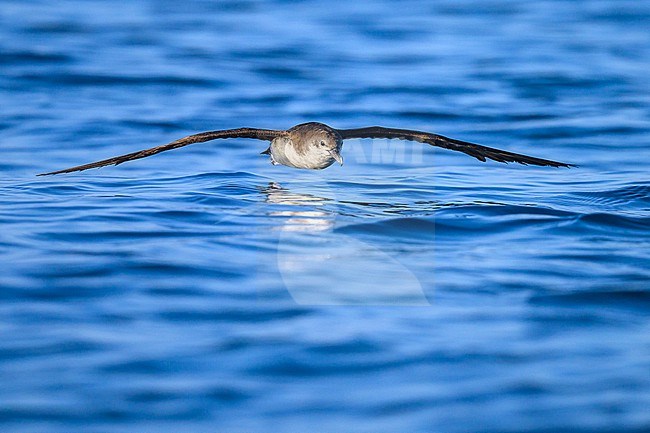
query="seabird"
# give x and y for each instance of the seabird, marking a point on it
(316, 146)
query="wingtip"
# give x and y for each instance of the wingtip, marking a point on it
(52, 173)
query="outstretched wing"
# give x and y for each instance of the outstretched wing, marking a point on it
(476, 150)
(259, 134)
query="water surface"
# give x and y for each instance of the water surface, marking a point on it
(411, 290)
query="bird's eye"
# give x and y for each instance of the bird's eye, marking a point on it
(322, 143)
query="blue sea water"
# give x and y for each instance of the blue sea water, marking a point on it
(413, 289)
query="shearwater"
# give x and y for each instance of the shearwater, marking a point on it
(316, 146)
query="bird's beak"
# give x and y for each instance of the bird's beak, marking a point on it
(337, 156)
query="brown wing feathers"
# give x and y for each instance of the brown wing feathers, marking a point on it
(476, 150)
(259, 134)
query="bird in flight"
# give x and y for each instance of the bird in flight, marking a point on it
(316, 146)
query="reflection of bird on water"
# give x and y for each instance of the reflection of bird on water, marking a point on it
(315, 145)
(275, 193)
(299, 220)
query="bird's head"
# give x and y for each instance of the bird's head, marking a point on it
(319, 143)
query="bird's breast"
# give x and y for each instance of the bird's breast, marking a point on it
(285, 152)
